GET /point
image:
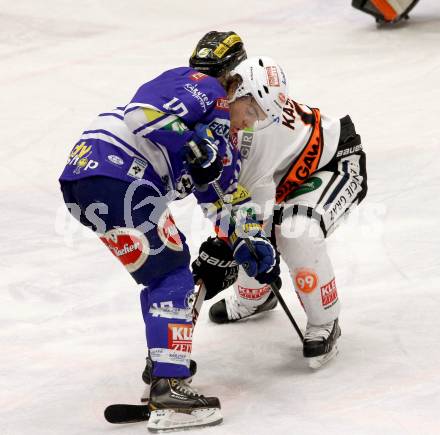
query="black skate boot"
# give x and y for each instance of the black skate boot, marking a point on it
(175, 405)
(320, 343)
(230, 310)
(147, 375)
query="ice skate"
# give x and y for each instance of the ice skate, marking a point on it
(147, 375)
(174, 405)
(229, 309)
(320, 343)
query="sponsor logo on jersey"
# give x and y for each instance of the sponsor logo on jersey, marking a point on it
(240, 196)
(312, 184)
(222, 104)
(246, 143)
(272, 76)
(81, 150)
(200, 96)
(303, 171)
(289, 114)
(80, 158)
(168, 232)
(115, 160)
(253, 293)
(329, 294)
(137, 168)
(85, 164)
(180, 337)
(308, 161)
(220, 127)
(196, 77)
(128, 245)
(306, 280)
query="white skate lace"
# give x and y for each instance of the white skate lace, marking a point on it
(184, 388)
(236, 310)
(321, 332)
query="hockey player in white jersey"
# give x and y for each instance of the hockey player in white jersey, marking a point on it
(305, 173)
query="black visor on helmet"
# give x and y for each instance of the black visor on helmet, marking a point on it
(217, 53)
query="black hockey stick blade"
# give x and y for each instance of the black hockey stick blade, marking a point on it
(123, 413)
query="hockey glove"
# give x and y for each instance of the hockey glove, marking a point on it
(263, 263)
(215, 266)
(208, 168)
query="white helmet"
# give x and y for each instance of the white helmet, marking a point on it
(264, 79)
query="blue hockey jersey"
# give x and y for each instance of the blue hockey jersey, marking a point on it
(145, 138)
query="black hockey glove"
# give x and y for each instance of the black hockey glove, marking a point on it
(215, 266)
(208, 168)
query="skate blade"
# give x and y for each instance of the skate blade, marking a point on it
(317, 362)
(168, 419)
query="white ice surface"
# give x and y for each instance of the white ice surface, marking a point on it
(71, 331)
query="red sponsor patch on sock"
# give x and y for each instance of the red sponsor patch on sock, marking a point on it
(329, 293)
(180, 337)
(253, 293)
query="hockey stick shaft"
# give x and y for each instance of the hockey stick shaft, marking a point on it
(221, 195)
(198, 302)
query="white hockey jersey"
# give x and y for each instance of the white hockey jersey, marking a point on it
(268, 155)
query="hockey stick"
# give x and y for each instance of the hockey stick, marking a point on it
(123, 413)
(275, 289)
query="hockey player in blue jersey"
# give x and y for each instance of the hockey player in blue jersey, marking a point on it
(119, 179)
